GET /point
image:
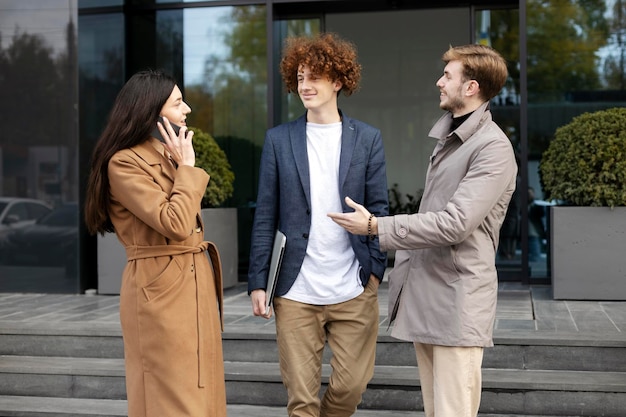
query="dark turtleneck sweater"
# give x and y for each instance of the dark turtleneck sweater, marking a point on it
(458, 121)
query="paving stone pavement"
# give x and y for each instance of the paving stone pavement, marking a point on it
(521, 308)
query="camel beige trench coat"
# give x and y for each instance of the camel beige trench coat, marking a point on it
(444, 277)
(170, 299)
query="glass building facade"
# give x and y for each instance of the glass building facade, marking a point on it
(62, 65)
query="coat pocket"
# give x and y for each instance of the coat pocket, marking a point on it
(164, 281)
(437, 264)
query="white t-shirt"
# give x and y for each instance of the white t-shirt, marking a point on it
(330, 270)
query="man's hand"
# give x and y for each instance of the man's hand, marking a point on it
(258, 304)
(357, 221)
(375, 281)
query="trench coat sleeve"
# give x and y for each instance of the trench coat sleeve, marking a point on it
(173, 215)
(488, 177)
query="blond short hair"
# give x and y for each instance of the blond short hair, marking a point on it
(481, 63)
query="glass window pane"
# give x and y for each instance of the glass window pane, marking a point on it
(102, 57)
(87, 4)
(499, 28)
(290, 106)
(225, 73)
(101, 76)
(575, 64)
(169, 41)
(226, 82)
(101, 73)
(39, 145)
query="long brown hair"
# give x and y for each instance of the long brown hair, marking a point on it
(131, 121)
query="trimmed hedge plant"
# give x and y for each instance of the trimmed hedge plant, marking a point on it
(585, 163)
(211, 158)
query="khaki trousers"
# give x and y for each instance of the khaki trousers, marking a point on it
(451, 379)
(351, 330)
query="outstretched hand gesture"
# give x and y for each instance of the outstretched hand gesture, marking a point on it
(357, 221)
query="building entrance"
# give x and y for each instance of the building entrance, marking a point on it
(400, 51)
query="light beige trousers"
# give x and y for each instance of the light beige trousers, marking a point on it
(451, 379)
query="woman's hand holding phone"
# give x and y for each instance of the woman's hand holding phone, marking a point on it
(179, 144)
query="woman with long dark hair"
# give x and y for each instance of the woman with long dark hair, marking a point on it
(148, 192)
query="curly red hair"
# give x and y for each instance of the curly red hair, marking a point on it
(326, 55)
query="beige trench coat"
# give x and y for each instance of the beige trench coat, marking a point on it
(170, 299)
(445, 268)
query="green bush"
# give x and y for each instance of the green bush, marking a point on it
(585, 163)
(211, 158)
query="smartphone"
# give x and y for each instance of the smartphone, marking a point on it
(157, 134)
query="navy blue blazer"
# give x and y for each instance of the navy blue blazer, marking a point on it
(284, 198)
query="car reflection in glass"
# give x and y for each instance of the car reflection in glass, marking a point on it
(16, 212)
(50, 241)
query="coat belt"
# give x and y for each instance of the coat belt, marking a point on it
(152, 251)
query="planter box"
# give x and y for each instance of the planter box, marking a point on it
(111, 263)
(587, 253)
(220, 228)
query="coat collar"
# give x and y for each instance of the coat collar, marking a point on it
(153, 153)
(441, 129)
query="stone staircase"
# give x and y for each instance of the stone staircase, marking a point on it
(76, 369)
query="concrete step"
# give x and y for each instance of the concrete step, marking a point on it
(25, 406)
(29, 406)
(540, 392)
(577, 352)
(518, 350)
(75, 339)
(505, 391)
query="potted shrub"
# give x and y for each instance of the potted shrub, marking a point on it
(220, 224)
(584, 169)
(213, 160)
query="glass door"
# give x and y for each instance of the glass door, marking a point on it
(499, 28)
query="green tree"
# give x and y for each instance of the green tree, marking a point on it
(231, 101)
(615, 63)
(202, 104)
(235, 82)
(504, 37)
(564, 37)
(30, 84)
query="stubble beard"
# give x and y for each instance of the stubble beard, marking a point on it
(454, 104)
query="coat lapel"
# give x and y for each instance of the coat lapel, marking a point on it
(297, 137)
(348, 142)
(147, 151)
